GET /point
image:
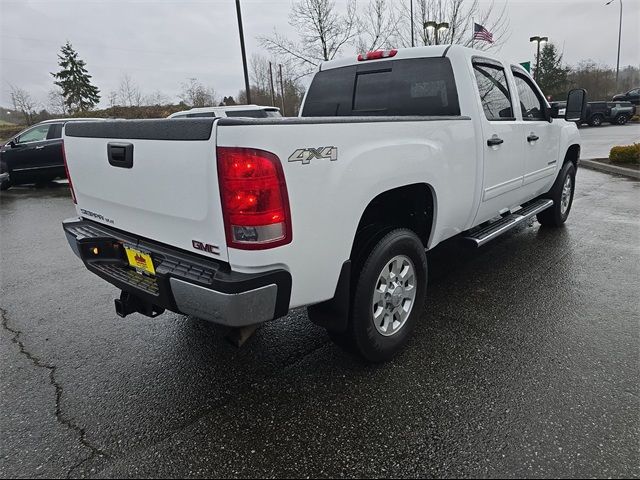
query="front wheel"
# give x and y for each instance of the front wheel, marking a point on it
(622, 119)
(596, 120)
(562, 195)
(388, 297)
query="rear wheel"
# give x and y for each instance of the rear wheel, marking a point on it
(622, 119)
(562, 195)
(388, 297)
(596, 120)
(4, 184)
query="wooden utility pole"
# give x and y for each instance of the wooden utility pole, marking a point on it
(273, 92)
(282, 90)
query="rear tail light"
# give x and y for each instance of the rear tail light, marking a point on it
(377, 54)
(254, 198)
(66, 169)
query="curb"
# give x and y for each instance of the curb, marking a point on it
(592, 164)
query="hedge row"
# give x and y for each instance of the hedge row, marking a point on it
(625, 154)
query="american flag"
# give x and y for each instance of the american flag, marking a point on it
(481, 33)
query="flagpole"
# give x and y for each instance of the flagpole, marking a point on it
(473, 32)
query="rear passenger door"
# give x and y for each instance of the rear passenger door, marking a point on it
(540, 137)
(502, 145)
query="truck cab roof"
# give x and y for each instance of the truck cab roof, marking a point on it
(415, 52)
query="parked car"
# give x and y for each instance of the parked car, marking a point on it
(632, 96)
(617, 113)
(254, 111)
(35, 154)
(239, 220)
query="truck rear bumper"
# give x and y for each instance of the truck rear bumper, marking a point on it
(184, 283)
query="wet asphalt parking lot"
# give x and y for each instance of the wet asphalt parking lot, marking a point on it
(527, 364)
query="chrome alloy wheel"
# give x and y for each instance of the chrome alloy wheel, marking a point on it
(566, 195)
(394, 295)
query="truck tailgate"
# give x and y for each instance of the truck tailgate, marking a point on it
(169, 193)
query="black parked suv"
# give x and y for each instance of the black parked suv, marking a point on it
(34, 155)
(632, 96)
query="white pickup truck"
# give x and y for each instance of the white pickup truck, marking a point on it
(239, 220)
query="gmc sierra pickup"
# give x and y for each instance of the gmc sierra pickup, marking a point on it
(239, 220)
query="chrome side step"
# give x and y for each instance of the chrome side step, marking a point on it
(486, 234)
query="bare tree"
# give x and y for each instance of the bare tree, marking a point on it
(129, 93)
(23, 103)
(323, 32)
(460, 14)
(113, 99)
(196, 94)
(261, 85)
(56, 102)
(156, 98)
(378, 24)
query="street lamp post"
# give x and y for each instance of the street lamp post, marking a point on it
(436, 27)
(538, 40)
(619, 38)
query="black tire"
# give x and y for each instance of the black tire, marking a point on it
(4, 184)
(621, 119)
(556, 215)
(596, 120)
(362, 335)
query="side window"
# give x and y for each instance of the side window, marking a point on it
(55, 131)
(36, 134)
(530, 103)
(494, 91)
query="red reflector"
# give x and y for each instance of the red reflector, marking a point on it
(377, 54)
(255, 204)
(66, 170)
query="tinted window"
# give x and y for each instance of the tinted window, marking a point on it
(55, 131)
(372, 92)
(252, 113)
(36, 134)
(494, 91)
(201, 115)
(530, 103)
(422, 86)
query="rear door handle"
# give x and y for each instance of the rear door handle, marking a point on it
(40, 147)
(493, 141)
(532, 138)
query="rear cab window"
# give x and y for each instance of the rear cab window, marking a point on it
(406, 87)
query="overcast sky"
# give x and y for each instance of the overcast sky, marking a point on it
(161, 43)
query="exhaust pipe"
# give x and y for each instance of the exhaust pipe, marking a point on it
(129, 303)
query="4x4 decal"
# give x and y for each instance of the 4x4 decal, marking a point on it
(305, 155)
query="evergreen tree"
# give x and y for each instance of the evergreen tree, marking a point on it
(74, 80)
(550, 74)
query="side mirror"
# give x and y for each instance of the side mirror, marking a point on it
(576, 105)
(13, 143)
